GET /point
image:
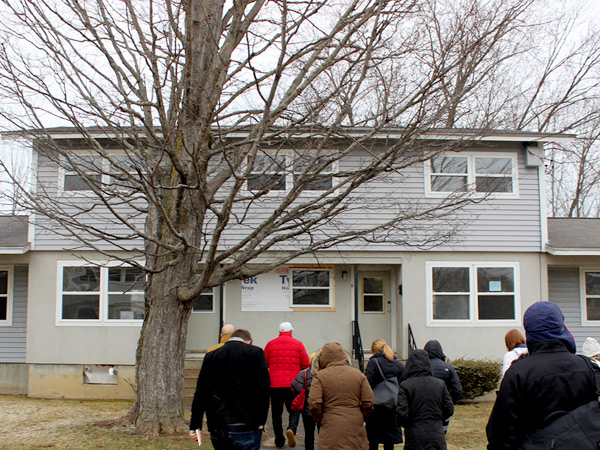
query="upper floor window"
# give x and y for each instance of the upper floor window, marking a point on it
(279, 172)
(6, 281)
(86, 177)
(479, 173)
(85, 172)
(311, 287)
(472, 292)
(92, 294)
(590, 297)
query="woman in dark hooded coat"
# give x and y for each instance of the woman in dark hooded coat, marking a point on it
(423, 404)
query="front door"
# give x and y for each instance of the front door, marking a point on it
(375, 307)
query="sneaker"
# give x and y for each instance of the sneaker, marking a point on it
(280, 443)
(291, 438)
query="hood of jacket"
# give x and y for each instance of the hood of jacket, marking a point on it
(545, 321)
(333, 354)
(434, 350)
(418, 364)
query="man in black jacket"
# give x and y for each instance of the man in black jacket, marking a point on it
(233, 391)
(551, 379)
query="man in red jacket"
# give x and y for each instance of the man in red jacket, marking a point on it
(286, 357)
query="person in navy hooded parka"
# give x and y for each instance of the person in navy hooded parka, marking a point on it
(551, 379)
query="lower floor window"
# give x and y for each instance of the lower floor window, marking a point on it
(473, 292)
(311, 287)
(205, 301)
(101, 294)
(591, 294)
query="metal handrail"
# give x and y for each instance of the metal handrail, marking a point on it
(357, 347)
(412, 343)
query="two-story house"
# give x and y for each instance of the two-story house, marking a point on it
(83, 314)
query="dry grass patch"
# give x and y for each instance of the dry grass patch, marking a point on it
(29, 423)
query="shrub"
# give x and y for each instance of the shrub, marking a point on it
(477, 376)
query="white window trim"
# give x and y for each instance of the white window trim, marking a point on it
(103, 307)
(289, 176)
(473, 305)
(583, 297)
(331, 303)
(9, 301)
(471, 156)
(214, 290)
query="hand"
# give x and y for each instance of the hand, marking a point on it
(196, 435)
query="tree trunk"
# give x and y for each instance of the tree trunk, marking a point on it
(158, 406)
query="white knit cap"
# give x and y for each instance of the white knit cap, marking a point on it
(591, 347)
(285, 326)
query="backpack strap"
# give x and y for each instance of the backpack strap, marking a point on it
(594, 374)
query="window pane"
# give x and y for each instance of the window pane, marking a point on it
(451, 279)
(496, 307)
(495, 279)
(322, 183)
(449, 164)
(592, 283)
(493, 184)
(310, 297)
(3, 282)
(372, 303)
(316, 278)
(204, 302)
(493, 165)
(81, 279)
(448, 184)
(80, 307)
(593, 308)
(373, 285)
(126, 306)
(75, 183)
(301, 162)
(267, 163)
(3, 308)
(266, 182)
(451, 307)
(125, 279)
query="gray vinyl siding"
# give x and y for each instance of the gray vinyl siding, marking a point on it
(13, 338)
(498, 224)
(564, 290)
(51, 236)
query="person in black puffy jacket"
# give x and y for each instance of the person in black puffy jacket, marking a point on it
(551, 379)
(424, 403)
(382, 426)
(444, 371)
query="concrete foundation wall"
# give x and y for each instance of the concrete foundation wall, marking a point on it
(67, 381)
(13, 378)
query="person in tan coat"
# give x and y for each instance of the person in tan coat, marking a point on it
(340, 401)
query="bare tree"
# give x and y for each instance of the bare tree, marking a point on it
(208, 99)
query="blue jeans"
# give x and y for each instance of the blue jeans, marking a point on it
(232, 439)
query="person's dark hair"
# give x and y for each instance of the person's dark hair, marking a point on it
(241, 333)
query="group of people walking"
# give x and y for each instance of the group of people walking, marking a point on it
(541, 376)
(237, 381)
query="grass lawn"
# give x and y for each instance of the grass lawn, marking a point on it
(29, 424)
